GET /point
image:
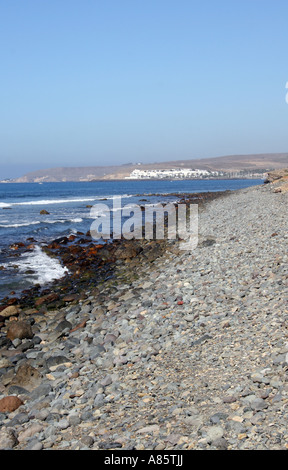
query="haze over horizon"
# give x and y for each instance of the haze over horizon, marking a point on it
(107, 83)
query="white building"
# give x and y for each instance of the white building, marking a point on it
(178, 173)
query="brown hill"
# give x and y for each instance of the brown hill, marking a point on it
(232, 163)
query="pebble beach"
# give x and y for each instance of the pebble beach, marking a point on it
(187, 350)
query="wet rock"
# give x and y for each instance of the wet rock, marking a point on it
(46, 299)
(127, 251)
(70, 298)
(10, 311)
(16, 246)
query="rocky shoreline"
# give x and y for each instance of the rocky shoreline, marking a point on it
(87, 261)
(173, 350)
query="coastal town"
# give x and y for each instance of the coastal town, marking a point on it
(191, 173)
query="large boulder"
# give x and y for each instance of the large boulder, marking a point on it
(8, 439)
(46, 299)
(27, 377)
(9, 404)
(10, 311)
(19, 329)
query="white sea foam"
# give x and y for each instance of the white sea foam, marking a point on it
(24, 224)
(46, 269)
(77, 220)
(44, 202)
(50, 201)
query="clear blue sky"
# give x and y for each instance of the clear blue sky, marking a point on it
(96, 82)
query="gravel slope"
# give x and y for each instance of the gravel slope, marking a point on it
(192, 354)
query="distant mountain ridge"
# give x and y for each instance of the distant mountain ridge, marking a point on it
(229, 164)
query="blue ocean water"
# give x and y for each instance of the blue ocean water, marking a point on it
(69, 211)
